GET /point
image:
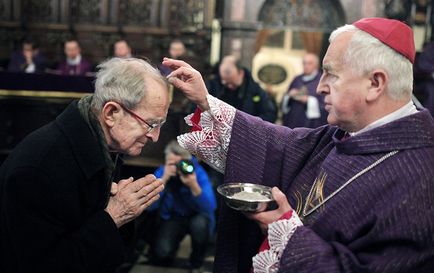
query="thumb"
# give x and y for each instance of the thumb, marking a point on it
(176, 82)
(124, 182)
(281, 199)
(114, 189)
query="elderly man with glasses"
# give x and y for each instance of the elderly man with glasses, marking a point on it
(59, 208)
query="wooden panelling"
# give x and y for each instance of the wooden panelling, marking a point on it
(148, 25)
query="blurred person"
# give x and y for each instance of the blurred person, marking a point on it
(74, 64)
(179, 103)
(236, 86)
(61, 205)
(122, 49)
(424, 76)
(28, 59)
(301, 105)
(176, 51)
(186, 206)
(353, 196)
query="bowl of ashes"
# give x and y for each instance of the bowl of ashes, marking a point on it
(247, 197)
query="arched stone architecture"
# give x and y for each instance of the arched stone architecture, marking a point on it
(305, 15)
(242, 19)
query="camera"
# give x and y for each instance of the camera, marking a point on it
(185, 166)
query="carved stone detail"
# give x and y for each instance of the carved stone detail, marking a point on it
(39, 11)
(187, 14)
(139, 13)
(323, 15)
(4, 12)
(89, 11)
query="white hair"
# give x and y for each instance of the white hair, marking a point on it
(366, 53)
(123, 81)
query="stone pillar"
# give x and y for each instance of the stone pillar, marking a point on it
(357, 9)
(239, 29)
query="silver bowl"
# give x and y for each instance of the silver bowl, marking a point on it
(230, 192)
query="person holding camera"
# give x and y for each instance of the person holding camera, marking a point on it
(186, 206)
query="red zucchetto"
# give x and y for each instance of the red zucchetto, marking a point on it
(392, 33)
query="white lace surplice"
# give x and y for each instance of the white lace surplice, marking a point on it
(279, 233)
(211, 144)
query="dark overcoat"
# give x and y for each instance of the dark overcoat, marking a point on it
(53, 192)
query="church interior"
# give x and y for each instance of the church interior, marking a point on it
(269, 38)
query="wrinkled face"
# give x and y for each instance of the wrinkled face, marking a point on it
(128, 134)
(310, 64)
(72, 49)
(122, 50)
(231, 78)
(344, 91)
(176, 50)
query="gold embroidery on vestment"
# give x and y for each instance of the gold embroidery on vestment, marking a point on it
(316, 196)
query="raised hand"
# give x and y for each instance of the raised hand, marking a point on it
(189, 81)
(130, 198)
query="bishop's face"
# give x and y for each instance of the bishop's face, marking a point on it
(128, 130)
(344, 91)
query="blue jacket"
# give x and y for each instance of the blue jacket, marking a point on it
(178, 200)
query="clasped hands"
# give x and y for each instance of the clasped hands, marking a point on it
(129, 198)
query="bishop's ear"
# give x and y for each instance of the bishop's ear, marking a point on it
(378, 80)
(110, 113)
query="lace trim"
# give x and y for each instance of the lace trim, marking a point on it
(211, 144)
(279, 233)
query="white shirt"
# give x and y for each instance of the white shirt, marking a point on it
(74, 61)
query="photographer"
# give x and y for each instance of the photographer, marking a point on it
(186, 206)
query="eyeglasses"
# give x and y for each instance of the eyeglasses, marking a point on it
(151, 127)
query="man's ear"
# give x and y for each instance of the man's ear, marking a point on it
(378, 80)
(110, 113)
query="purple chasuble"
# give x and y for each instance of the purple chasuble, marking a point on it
(381, 222)
(74, 70)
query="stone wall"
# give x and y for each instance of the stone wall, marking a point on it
(241, 19)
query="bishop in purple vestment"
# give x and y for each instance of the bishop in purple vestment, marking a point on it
(356, 195)
(424, 77)
(75, 64)
(301, 105)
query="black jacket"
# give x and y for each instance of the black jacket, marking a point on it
(255, 101)
(52, 199)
